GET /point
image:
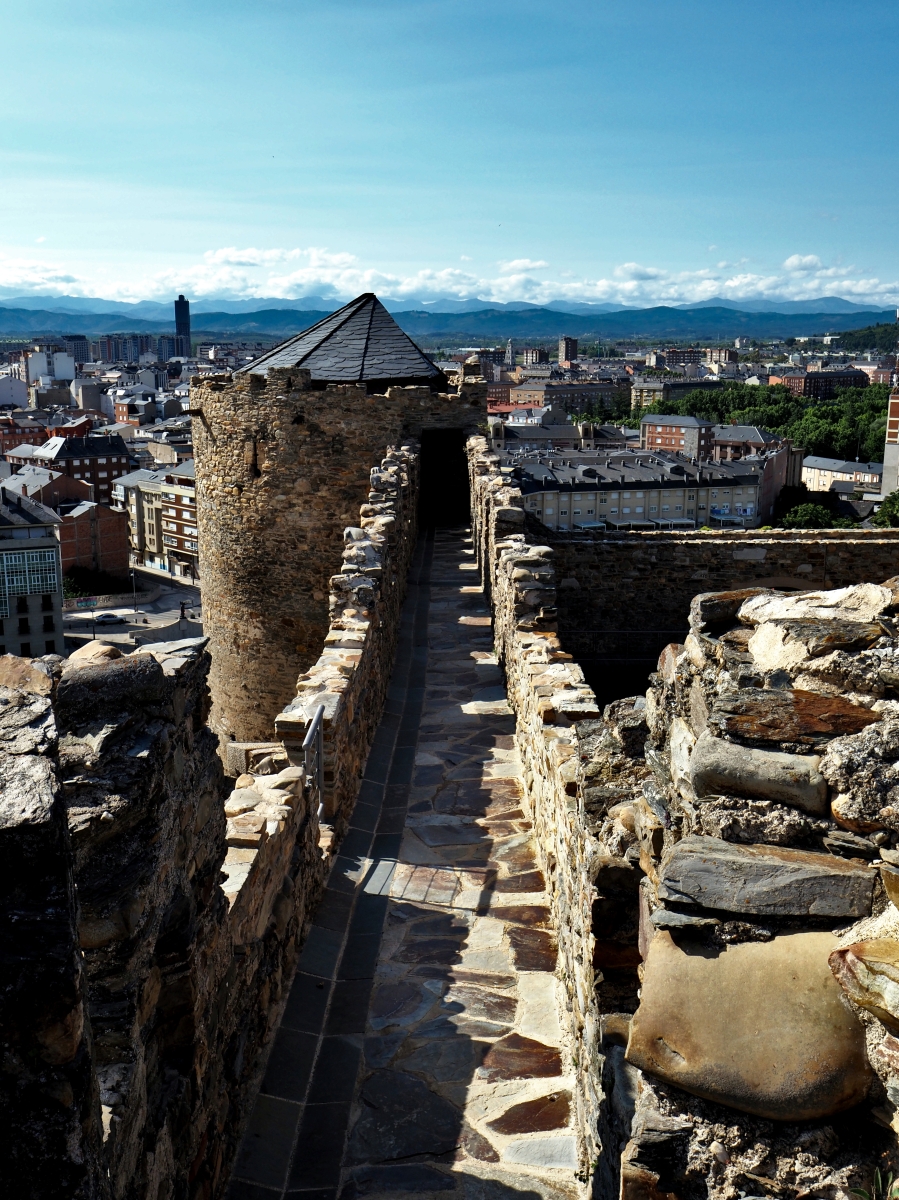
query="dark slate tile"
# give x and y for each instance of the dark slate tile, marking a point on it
(360, 956)
(241, 1190)
(348, 1012)
(265, 1150)
(415, 1178)
(290, 1065)
(365, 816)
(356, 843)
(320, 954)
(306, 1003)
(335, 1071)
(320, 1143)
(341, 874)
(369, 793)
(312, 1194)
(387, 845)
(369, 914)
(334, 910)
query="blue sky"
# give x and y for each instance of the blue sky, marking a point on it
(631, 151)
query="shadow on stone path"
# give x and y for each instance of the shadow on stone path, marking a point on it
(420, 1050)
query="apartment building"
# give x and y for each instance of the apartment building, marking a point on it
(572, 397)
(632, 490)
(721, 354)
(567, 351)
(30, 578)
(683, 356)
(819, 474)
(691, 436)
(647, 392)
(162, 518)
(532, 356)
(96, 459)
(820, 385)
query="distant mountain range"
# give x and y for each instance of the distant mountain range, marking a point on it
(491, 323)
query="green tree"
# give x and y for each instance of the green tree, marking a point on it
(888, 513)
(808, 516)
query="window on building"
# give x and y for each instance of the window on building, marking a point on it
(50, 646)
(24, 627)
(46, 603)
(25, 649)
(21, 604)
(48, 625)
(666, 508)
(678, 508)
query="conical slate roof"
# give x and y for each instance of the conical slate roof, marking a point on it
(360, 343)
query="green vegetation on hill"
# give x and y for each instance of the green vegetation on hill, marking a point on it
(874, 337)
(851, 425)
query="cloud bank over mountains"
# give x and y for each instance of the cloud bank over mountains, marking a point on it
(232, 273)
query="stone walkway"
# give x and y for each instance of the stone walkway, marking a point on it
(420, 1050)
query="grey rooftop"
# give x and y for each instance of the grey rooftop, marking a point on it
(360, 343)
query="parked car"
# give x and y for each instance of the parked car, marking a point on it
(108, 619)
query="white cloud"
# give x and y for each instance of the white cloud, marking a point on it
(292, 273)
(522, 264)
(802, 262)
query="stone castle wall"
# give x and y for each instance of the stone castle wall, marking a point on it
(350, 677)
(647, 580)
(282, 469)
(145, 992)
(721, 858)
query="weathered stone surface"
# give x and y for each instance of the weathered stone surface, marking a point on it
(747, 820)
(535, 1116)
(864, 770)
(720, 766)
(868, 972)
(91, 653)
(402, 1117)
(711, 611)
(786, 715)
(784, 645)
(765, 880)
(860, 602)
(517, 1057)
(758, 1026)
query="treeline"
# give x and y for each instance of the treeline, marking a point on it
(874, 337)
(851, 425)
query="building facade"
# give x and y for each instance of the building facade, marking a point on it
(819, 474)
(628, 490)
(691, 436)
(98, 460)
(162, 518)
(567, 351)
(30, 578)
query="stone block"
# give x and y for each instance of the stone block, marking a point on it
(868, 972)
(757, 1026)
(720, 766)
(787, 715)
(765, 880)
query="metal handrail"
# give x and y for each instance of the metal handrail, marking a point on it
(314, 757)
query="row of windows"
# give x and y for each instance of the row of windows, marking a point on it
(25, 648)
(27, 572)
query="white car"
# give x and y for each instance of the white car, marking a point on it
(108, 619)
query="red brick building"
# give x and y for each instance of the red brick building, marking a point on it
(95, 537)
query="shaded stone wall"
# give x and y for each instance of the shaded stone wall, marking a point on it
(350, 677)
(647, 580)
(281, 471)
(721, 854)
(154, 1015)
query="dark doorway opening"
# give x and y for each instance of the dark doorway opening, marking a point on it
(618, 662)
(444, 500)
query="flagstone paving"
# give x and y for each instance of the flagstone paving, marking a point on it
(421, 1048)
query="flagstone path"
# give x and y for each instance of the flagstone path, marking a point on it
(421, 1049)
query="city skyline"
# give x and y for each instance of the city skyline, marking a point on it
(608, 153)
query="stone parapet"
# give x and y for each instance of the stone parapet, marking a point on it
(160, 1007)
(722, 853)
(349, 679)
(282, 469)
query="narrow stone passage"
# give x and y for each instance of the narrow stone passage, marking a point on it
(421, 1049)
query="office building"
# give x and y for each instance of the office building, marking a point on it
(182, 319)
(78, 346)
(532, 357)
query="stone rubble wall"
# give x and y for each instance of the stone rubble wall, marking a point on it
(157, 1014)
(646, 580)
(349, 679)
(552, 703)
(721, 853)
(282, 469)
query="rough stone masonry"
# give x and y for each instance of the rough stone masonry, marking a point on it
(723, 856)
(282, 468)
